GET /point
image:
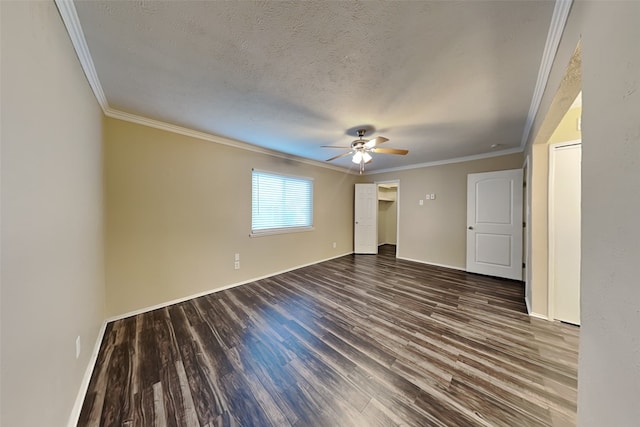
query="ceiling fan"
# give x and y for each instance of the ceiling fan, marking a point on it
(361, 149)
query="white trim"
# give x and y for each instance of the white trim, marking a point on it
(157, 124)
(539, 316)
(551, 261)
(286, 230)
(69, 16)
(213, 291)
(526, 301)
(285, 175)
(398, 222)
(74, 29)
(558, 22)
(84, 385)
(449, 161)
(527, 230)
(435, 264)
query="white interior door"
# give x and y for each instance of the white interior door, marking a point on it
(494, 223)
(365, 228)
(564, 231)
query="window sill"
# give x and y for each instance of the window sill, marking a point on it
(273, 231)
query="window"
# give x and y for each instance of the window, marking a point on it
(280, 203)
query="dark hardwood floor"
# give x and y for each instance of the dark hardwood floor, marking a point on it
(361, 340)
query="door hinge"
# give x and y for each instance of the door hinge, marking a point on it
(524, 225)
(524, 265)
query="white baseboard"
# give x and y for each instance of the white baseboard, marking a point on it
(212, 291)
(538, 316)
(532, 314)
(431, 263)
(84, 385)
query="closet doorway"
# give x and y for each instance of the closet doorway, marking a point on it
(388, 213)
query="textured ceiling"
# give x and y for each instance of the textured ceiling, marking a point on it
(442, 79)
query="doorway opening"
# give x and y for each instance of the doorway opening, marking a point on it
(565, 163)
(388, 215)
(537, 291)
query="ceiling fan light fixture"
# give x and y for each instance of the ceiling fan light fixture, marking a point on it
(366, 157)
(357, 157)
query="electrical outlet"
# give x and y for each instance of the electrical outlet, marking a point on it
(236, 265)
(237, 257)
(78, 346)
(433, 196)
(334, 245)
(421, 202)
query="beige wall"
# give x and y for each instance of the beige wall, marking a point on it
(436, 231)
(179, 208)
(52, 228)
(609, 374)
(567, 130)
(539, 238)
(609, 367)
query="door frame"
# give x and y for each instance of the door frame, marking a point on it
(393, 181)
(526, 236)
(551, 230)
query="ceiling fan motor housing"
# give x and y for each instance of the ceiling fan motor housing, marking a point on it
(358, 144)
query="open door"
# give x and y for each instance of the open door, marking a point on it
(365, 228)
(565, 165)
(494, 223)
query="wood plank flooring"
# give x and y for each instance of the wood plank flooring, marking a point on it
(361, 340)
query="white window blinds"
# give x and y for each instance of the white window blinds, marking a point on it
(280, 203)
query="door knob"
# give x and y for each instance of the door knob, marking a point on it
(470, 228)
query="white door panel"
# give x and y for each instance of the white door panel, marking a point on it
(493, 202)
(564, 231)
(365, 228)
(494, 223)
(493, 249)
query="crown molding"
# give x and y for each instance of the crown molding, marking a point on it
(69, 16)
(157, 124)
(558, 22)
(449, 161)
(71, 21)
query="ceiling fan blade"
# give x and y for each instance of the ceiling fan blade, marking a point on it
(339, 156)
(389, 151)
(334, 146)
(376, 141)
